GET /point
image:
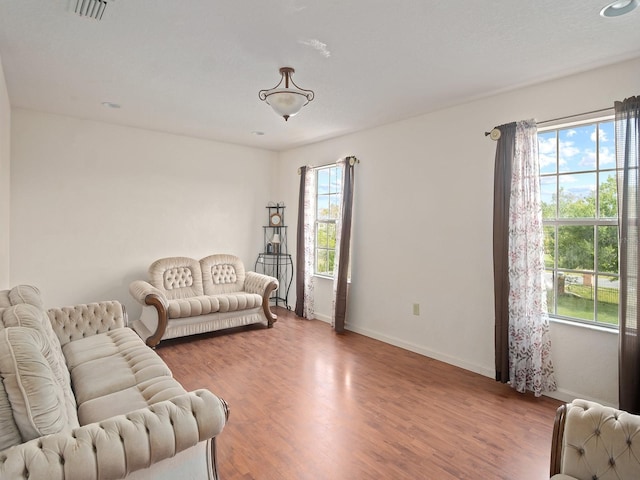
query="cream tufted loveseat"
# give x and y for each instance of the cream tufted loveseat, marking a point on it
(185, 296)
(593, 442)
(82, 398)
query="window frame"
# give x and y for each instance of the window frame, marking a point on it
(595, 222)
(329, 223)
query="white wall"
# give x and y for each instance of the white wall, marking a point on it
(5, 172)
(94, 204)
(423, 229)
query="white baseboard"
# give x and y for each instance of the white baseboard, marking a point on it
(560, 394)
(427, 352)
(322, 317)
(569, 396)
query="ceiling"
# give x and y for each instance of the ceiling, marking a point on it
(194, 67)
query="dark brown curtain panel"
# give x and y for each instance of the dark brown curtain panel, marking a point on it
(300, 247)
(342, 291)
(627, 151)
(505, 151)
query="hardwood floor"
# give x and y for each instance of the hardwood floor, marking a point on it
(307, 404)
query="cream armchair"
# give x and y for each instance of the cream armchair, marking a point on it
(593, 442)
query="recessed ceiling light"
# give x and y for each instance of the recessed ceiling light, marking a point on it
(618, 8)
(111, 105)
(257, 133)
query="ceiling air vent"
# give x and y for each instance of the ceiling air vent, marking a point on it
(91, 8)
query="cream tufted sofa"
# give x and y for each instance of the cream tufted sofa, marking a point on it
(593, 442)
(82, 397)
(185, 296)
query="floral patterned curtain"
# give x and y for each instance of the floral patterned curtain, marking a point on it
(529, 343)
(530, 366)
(305, 243)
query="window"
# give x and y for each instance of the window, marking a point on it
(580, 218)
(328, 198)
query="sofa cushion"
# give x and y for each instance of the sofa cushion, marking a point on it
(126, 400)
(4, 299)
(222, 273)
(37, 400)
(9, 433)
(109, 362)
(21, 294)
(177, 277)
(28, 294)
(29, 316)
(233, 302)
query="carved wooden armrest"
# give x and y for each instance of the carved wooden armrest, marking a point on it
(147, 294)
(163, 318)
(262, 285)
(556, 439)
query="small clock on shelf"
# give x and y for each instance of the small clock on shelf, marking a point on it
(275, 220)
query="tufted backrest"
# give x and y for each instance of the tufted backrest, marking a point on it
(596, 442)
(82, 320)
(177, 277)
(222, 273)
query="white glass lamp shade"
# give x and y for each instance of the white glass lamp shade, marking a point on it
(276, 238)
(286, 102)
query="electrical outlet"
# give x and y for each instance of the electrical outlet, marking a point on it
(416, 309)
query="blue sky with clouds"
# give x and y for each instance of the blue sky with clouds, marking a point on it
(575, 153)
(329, 180)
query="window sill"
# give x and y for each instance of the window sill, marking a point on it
(326, 277)
(597, 328)
(330, 279)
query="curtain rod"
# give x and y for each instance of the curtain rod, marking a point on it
(600, 110)
(351, 158)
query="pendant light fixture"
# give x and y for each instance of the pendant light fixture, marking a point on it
(288, 99)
